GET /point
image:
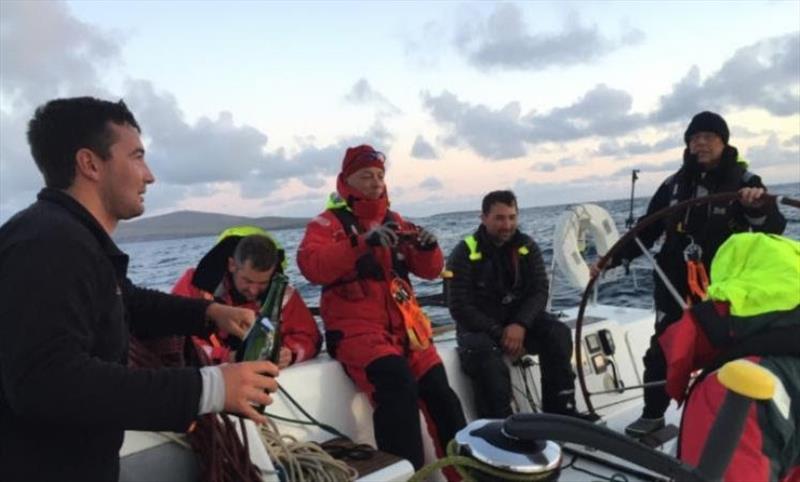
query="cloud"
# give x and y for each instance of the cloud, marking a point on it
(771, 153)
(431, 184)
(65, 60)
(504, 41)
(62, 56)
(553, 166)
(544, 167)
(794, 141)
(742, 132)
(422, 149)
(313, 165)
(614, 148)
(590, 188)
(424, 47)
(363, 94)
(209, 150)
(569, 161)
(189, 159)
(762, 75)
(669, 165)
(495, 134)
(503, 133)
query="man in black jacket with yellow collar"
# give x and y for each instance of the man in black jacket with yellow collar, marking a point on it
(497, 297)
(66, 394)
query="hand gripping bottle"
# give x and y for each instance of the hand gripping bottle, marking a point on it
(263, 342)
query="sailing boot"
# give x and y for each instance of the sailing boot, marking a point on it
(644, 426)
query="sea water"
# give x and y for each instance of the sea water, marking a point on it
(159, 264)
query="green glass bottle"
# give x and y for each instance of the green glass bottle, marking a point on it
(264, 340)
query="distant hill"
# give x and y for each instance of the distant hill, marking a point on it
(187, 224)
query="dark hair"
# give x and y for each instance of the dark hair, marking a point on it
(506, 197)
(259, 250)
(61, 127)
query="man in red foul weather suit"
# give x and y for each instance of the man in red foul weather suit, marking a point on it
(354, 249)
(237, 272)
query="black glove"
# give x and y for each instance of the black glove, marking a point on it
(425, 238)
(383, 235)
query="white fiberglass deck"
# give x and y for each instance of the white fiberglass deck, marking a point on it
(321, 387)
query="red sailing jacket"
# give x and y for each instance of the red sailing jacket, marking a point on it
(350, 304)
(298, 328)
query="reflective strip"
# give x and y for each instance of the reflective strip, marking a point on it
(475, 255)
(472, 245)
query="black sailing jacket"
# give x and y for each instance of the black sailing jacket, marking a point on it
(67, 307)
(503, 287)
(709, 225)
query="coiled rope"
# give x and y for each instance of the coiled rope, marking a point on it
(303, 461)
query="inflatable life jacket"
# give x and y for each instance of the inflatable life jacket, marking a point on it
(753, 309)
(476, 256)
(212, 267)
(210, 278)
(367, 267)
(417, 324)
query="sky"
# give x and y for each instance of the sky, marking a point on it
(247, 107)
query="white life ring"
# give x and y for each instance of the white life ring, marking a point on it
(569, 240)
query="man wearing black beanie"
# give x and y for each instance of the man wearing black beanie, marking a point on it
(710, 166)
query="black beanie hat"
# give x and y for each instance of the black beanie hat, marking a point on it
(707, 122)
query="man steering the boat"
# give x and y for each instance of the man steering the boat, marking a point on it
(362, 254)
(692, 237)
(66, 395)
(497, 296)
(238, 271)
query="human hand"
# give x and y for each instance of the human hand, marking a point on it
(751, 197)
(231, 319)
(594, 269)
(425, 238)
(512, 340)
(384, 235)
(248, 384)
(284, 358)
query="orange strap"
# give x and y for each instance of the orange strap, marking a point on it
(417, 324)
(697, 278)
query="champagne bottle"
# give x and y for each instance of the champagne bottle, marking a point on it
(264, 340)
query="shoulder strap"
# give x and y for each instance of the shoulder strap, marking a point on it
(367, 266)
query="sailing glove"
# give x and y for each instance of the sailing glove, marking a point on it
(383, 235)
(426, 238)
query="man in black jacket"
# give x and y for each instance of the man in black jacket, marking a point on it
(66, 395)
(497, 297)
(710, 166)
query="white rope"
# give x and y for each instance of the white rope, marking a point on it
(304, 461)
